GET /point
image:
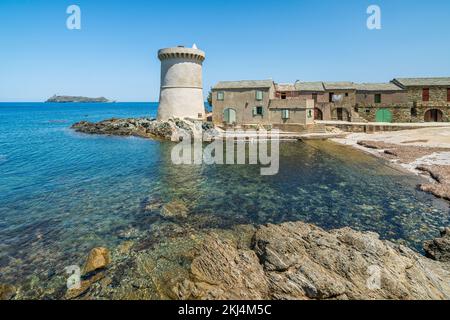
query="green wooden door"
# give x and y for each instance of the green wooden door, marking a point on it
(383, 115)
(229, 116)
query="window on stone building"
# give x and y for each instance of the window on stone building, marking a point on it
(259, 95)
(283, 95)
(377, 98)
(257, 111)
(426, 94)
(346, 94)
(414, 112)
(331, 97)
(220, 95)
(314, 96)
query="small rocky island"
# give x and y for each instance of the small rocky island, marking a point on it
(78, 99)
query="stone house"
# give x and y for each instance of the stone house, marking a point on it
(341, 98)
(428, 98)
(294, 106)
(242, 102)
(255, 103)
(382, 102)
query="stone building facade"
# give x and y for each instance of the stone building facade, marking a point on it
(286, 105)
(427, 98)
(255, 104)
(381, 102)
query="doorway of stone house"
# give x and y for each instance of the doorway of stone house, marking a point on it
(433, 115)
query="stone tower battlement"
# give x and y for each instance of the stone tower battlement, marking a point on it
(181, 52)
(181, 94)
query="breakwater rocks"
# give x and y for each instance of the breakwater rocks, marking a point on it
(288, 261)
(173, 129)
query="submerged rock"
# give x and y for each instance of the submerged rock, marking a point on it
(439, 248)
(7, 292)
(85, 286)
(175, 209)
(97, 259)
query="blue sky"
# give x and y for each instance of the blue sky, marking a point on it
(114, 54)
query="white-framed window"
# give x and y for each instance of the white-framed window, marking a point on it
(285, 114)
(220, 95)
(259, 95)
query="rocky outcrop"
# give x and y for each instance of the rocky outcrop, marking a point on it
(441, 175)
(287, 261)
(174, 129)
(439, 248)
(305, 262)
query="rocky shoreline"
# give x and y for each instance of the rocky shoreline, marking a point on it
(172, 130)
(423, 152)
(292, 260)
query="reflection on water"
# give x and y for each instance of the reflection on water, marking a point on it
(62, 193)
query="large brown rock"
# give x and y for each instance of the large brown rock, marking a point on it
(222, 271)
(305, 262)
(97, 259)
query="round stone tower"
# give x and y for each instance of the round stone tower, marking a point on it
(181, 94)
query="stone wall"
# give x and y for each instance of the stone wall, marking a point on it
(387, 98)
(297, 111)
(403, 113)
(437, 94)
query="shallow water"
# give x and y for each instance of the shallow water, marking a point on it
(62, 193)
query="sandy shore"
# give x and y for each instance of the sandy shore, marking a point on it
(421, 151)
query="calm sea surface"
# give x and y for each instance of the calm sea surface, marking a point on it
(62, 193)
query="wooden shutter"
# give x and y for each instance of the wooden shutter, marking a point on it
(259, 95)
(377, 98)
(426, 94)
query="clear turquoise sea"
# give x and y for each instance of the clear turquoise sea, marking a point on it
(62, 193)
